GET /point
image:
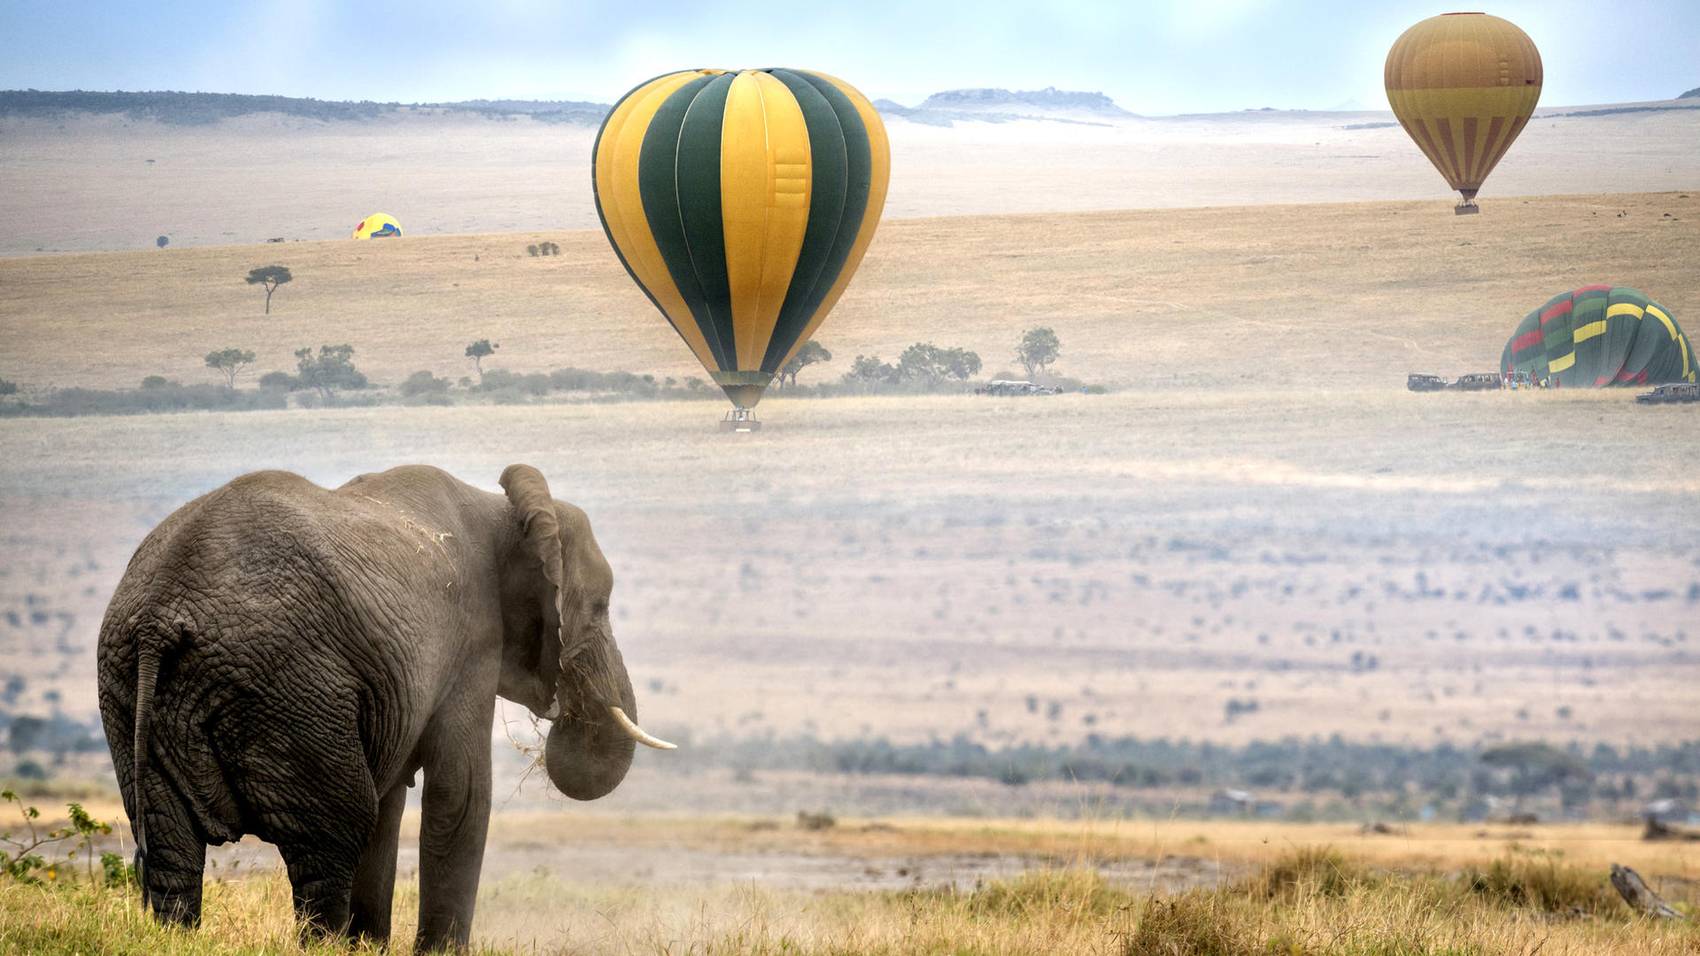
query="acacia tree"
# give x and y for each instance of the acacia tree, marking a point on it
(868, 372)
(271, 277)
(812, 353)
(477, 352)
(1038, 349)
(331, 369)
(927, 364)
(229, 361)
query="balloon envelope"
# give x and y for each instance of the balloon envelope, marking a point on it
(377, 226)
(742, 203)
(1464, 85)
(1598, 336)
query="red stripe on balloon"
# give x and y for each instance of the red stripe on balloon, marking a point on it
(1527, 340)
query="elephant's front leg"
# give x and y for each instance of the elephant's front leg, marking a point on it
(374, 878)
(455, 816)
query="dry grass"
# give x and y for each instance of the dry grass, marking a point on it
(1437, 846)
(1278, 297)
(1307, 903)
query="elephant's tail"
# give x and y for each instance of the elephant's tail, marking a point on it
(152, 644)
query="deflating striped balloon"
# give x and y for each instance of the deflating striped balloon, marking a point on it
(1464, 85)
(742, 203)
(1600, 335)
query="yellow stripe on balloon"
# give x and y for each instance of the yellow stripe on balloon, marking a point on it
(1678, 338)
(622, 204)
(1583, 333)
(879, 148)
(765, 178)
(1560, 364)
(1624, 308)
(1659, 314)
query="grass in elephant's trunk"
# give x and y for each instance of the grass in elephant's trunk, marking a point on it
(588, 749)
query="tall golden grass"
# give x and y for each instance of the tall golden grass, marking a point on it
(1307, 902)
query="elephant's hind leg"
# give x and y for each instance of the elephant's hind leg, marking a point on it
(374, 878)
(311, 788)
(171, 871)
(322, 858)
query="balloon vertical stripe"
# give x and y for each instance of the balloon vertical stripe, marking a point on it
(741, 203)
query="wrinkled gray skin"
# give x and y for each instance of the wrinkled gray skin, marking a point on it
(315, 649)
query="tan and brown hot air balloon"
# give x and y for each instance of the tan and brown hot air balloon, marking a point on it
(1464, 85)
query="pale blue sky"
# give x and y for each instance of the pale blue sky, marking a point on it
(1163, 57)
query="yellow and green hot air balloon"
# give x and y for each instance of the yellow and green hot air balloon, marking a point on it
(741, 203)
(377, 226)
(1464, 85)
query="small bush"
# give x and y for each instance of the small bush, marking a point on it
(8, 387)
(1194, 923)
(157, 381)
(1079, 892)
(29, 770)
(815, 821)
(1320, 871)
(1544, 886)
(424, 383)
(532, 384)
(506, 396)
(35, 857)
(163, 396)
(280, 380)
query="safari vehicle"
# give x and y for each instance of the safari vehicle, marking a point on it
(1477, 382)
(1675, 392)
(1418, 382)
(1010, 387)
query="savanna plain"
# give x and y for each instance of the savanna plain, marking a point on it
(957, 673)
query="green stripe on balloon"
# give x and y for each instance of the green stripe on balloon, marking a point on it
(829, 183)
(858, 180)
(658, 185)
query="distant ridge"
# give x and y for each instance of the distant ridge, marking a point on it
(1691, 94)
(1049, 99)
(994, 105)
(197, 109)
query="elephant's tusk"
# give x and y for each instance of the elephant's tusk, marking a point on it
(637, 733)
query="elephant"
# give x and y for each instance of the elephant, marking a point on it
(282, 660)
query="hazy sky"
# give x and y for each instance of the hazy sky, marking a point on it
(1163, 57)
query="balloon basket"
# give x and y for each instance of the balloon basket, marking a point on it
(740, 420)
(1467, 208)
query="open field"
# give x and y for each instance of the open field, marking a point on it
(1263, 513)
(1277, 297)
(1415, 572)
(88, 183)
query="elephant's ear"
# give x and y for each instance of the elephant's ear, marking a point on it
(534, 508)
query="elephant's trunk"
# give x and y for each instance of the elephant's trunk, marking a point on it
(588, 752)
